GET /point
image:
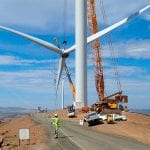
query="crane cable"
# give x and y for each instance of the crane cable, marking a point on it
(64, 19)
(114, 61)
(58, 44)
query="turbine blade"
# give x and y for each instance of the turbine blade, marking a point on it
(108, 29)
(60, 69)
(34, 39)
(70, 50)
(116, 25)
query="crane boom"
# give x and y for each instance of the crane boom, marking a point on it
(97, 63)
(96, 50)
(70, 82)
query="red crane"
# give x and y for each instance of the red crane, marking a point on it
(96, 52)
(97, 61)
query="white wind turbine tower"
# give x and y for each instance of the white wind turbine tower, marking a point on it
(80, 47)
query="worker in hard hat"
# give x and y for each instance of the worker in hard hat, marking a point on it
(56, 123)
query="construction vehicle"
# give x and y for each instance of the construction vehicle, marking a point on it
(105, 102)
(91, 118)
(71, 111)
(85, 109)
(102, 117)
(110, 119)
(40, 110)
(120, 117)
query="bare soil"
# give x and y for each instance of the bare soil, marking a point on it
(10, 130)
(137, 127)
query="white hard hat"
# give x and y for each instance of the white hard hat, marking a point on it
(56, 115)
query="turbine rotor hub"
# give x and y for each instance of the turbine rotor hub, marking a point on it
(65, 55)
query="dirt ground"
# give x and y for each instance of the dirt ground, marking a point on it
(137, 127)
(10, 130)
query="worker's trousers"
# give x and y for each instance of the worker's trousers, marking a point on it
(56, 132)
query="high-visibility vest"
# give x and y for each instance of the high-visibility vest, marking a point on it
(56, 122)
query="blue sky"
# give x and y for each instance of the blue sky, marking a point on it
(27, 69)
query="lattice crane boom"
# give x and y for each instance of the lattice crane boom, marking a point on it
(96, 50)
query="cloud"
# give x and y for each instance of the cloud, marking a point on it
(41, 81)
(120, 9)
(29, 87)
(134, 83)
(125, 72)
(47, 17)
(34, 80)
(147, 16)
(138, 49)
(40, 16)
(13, 60)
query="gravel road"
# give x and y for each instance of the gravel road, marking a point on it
(62, 143)
(75, 137)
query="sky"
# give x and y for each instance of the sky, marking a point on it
(28, 71)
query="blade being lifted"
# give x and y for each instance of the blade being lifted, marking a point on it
(108, 29)
(60, 69)
(34, 39)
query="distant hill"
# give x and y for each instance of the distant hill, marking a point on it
(12, 112)
(142, 111)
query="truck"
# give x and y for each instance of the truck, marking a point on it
(102, 117)
(111, 118)
(71, 111)
(120, 117)
(91, 118)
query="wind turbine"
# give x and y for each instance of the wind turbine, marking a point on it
(62, 90)
(80, 46)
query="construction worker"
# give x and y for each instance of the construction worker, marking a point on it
(56, 123)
